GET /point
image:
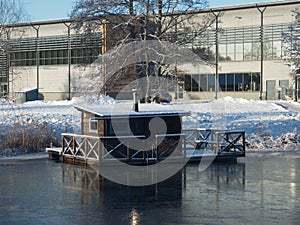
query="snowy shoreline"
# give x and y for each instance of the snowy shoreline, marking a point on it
(268, 125)
(28, 156)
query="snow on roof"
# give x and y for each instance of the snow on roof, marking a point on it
(123, 110)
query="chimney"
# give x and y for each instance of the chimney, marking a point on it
(135, 100)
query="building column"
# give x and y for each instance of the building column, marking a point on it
(37, 28)
(261, 10)
(69, 60)
(217, 15)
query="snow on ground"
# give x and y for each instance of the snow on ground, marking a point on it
(268, 125)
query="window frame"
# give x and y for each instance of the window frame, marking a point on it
(93, 120)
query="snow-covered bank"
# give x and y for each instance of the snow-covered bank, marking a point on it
(22, 157)
(32, 126)
(268, 125)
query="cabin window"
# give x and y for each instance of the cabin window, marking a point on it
(93, 125)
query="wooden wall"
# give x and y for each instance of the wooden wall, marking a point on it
(85, 125)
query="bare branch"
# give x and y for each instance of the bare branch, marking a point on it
(127, 21)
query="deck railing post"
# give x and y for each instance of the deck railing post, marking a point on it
(63, 147)
(99, 149)
(218, 143)
(244, 144)
(156, 146)
(184, 146)
(127, 152)
(85, 150)
(63, 144)
(144, 148)
(74, 147)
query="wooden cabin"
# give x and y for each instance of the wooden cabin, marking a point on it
(116, 128)
(110, 133)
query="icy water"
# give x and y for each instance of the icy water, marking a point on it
(263, 188)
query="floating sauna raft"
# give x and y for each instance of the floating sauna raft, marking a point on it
(194, 144)
(108, 137)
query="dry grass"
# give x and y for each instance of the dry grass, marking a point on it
(29, 137)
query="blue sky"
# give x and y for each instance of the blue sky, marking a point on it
(58, 9)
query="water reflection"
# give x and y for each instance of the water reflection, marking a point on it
(126, 204)
(222, 174)
(163, 201)
(262, 189)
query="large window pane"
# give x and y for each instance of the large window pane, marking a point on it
(222, 82)
(247, 81)
(222, 52)
(42, 54)
(239, 52)
(48, 54)
(54, 61)
(65, 53)
(188, 82)
(53, 54)
(211, 82)
(195, 83)
(277, 50)
(230, 52)
(203, 82)
(230, 82)
(238, 80)
(61, 53)
(255, 82)
(268, 50)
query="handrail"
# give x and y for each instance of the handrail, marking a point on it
(96, 147)
(169, 135)
(101, 137)
(221, 141)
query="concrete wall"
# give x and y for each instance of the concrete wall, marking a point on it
(53, 81)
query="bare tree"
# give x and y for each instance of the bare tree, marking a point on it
(11, 12)
(292, 48)
(133, 20)
(155, 18)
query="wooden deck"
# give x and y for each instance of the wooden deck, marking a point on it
(192, 145)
